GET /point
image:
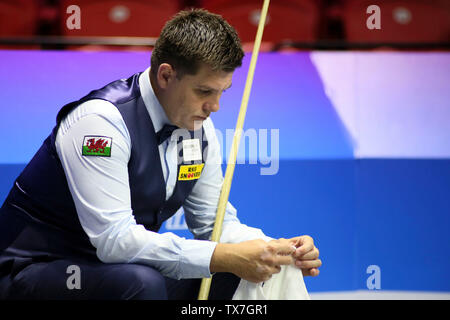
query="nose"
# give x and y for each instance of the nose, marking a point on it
(212, 106)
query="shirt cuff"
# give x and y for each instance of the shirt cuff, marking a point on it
(196, 259)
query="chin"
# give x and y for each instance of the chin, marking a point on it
(186, 126)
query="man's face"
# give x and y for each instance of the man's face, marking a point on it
(193, 98)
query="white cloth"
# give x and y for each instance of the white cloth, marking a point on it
(288, 284)
(101, 192)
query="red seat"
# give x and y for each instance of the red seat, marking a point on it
(295, 20)
(133, 18)
(18, 18)
(401, 21)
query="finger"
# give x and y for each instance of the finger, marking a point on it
(314, 272)
(266, 278)
(312, 255)
(308, 264)
(272, 256)
(276, 269)
(283, 260)
(310, 272)
(304, 248)
(297, 241)
(303, 240)
(304, 243)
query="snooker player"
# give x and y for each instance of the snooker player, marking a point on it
(96, 193)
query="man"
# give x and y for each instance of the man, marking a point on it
(120, 162)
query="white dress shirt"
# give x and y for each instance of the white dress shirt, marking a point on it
(101, 192)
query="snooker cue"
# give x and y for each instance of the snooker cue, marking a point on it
(225, 191)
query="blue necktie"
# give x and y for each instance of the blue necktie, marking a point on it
(165, 133)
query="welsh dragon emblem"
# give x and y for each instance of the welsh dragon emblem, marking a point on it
(97, 146)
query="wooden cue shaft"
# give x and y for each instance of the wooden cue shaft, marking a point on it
(226, 186)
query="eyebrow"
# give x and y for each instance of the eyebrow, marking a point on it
(206, 87)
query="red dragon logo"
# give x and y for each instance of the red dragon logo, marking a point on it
(97, 146)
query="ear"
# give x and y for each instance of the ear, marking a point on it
(165, 75)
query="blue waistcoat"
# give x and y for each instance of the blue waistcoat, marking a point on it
(38, 220)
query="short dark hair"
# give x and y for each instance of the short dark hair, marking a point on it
(197, 36)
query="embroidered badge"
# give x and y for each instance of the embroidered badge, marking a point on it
(97, 146)
(190, 172)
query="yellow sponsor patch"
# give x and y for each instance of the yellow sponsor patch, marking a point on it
(190, 172)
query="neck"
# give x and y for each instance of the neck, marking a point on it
(159, 94)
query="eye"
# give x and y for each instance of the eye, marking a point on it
(204, 92)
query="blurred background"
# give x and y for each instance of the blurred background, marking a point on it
(350, 108)
(310, 24)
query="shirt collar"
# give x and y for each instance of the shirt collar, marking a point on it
(154, 108)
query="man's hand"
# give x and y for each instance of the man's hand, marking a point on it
(306, 255)
(254, 260)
